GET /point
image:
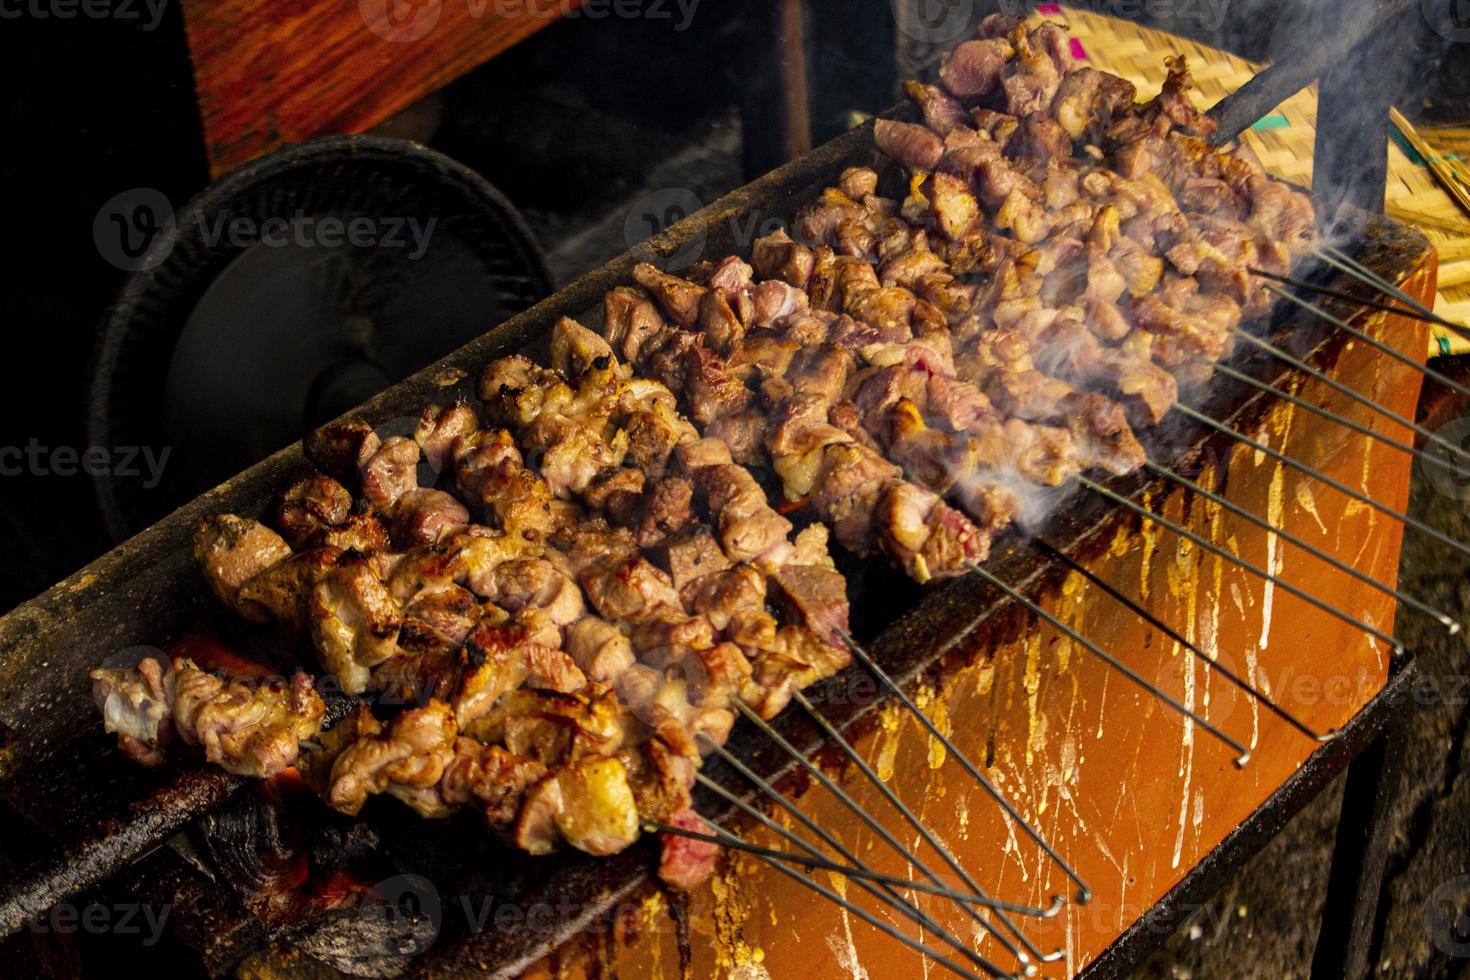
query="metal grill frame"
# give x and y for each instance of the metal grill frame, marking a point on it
(97, 610)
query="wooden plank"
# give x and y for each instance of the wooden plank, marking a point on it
(272, 72)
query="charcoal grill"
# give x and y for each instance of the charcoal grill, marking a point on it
(86, 816)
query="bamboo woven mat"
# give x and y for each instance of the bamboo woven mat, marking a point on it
(1283, 140)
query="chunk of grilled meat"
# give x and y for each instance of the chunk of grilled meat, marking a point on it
(354, 622)
(588, 804)
(405, 759)
(554, 727)
(245, 726)
(310, 508)
(231, 550)
(686, 863)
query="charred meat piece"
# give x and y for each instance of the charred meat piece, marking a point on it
(554, 726)
(849, 484)
(691, 554)
(796, 660)
(600, 649)
(438, 619)
(617, 493)
(311, 508)
(908, 143)
(354, 622)
(245, 726)
(283, 590)
(336, 449)
(671, 635)
(137, 704)
(232, 550)
(1030, 80)
(575, 349)
(722, 596)
(942, 112)
(816, 597)
(974, 68)
(361, 532)
(628, 589)
(437, 430)
(660, 778)
(513, 388)
(488, 778)
(927, 537)
(502, 657)
(630, 322)
(490, 472)
(678, 298)
(421, 517)
(778, 256)
(665, 510)
(405, 758)
(749, 529)
(525, 583)
(1088, 99)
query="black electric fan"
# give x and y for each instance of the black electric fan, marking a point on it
(262, 320)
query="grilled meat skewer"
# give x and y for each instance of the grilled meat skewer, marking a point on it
(705, 607)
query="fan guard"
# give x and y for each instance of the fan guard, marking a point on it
(226, 350)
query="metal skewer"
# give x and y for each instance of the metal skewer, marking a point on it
(884, 893)
(1341, 420)
(1174, 635)
(1215, 549)
(1343, 262)
(865, 915)
(1374, 342)
(1344, 389)
(1403, 597)
(811, 861)
(1028, 968)
(1243, 755)
(1371, 304)
(923, 829)
(1316, 474)
(1084, 891)
(863, 815)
